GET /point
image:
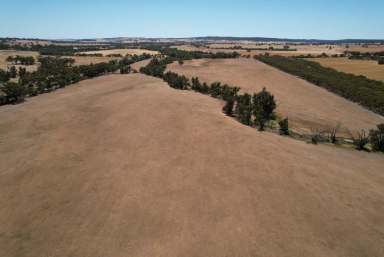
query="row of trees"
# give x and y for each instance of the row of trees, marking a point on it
(359, 89)
(54, 73)
(251, 110)
(21, 60)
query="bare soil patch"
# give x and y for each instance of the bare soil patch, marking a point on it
(308, 107)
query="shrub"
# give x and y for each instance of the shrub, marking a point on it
(361, 140)
(284, 127)
(377, 138)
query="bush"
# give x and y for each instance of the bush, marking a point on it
(377, 138)
(284, 127)
(14, 92)
(361, 140)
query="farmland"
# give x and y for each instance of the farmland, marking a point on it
(368, 68)
(133, 166)
(122, 52)
(307, 106)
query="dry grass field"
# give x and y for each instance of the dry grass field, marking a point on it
(301, 49)
(86, 60)
(368, 68)
(123, 52)
(5, 53)
(123, 165)
(308, 107)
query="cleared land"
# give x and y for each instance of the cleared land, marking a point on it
(131, 167)
(370, 69)
(5, 53)
(86, 60)
(301, 49)
(123, 52)
(308, 107)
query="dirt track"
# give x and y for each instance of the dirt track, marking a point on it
(308, 107)
(123, 165)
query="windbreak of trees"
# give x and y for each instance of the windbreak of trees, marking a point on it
(251, 110)
(355, 55)
(369, 93)
(54, 73)
(21, 60)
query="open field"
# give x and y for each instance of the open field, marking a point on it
(368, 68)
(308, 107)
(132, 167)
(123, 52)
(5, 53)
(301, 49)
(86, 60)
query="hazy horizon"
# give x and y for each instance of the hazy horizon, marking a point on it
(298, 19)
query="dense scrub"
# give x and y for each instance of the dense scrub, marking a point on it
(359, 89)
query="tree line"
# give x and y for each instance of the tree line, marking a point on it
(21, 60)
(251, 110)
(369, 93)
(54, 73)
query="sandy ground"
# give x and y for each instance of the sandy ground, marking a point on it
(5, 53)
(123, 52)
(370, 69)
(308, 107)
(123, 165)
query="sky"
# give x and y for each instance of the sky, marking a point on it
(309, 19)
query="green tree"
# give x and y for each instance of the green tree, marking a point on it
(228, 107)
(263, 108)
(14, 92)
(243, 109)
(12, 72)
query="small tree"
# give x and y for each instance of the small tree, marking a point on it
(333, 134)
(284, 127)
(377, 138)
(181, 62)
(12, 72)
(263, 106)
(14, 92)
(228, 107)
(361, 140)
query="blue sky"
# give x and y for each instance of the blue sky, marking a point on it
(321, 19)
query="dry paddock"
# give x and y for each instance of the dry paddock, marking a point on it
(308, 107)
(123, 165)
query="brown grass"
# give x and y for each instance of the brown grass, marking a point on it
(370, 69)
(123, 52)
(131, 167)
(307, 106)
(86, 60)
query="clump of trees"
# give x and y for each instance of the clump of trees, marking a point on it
(21, 60)
(54, 73)
(359, 89)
